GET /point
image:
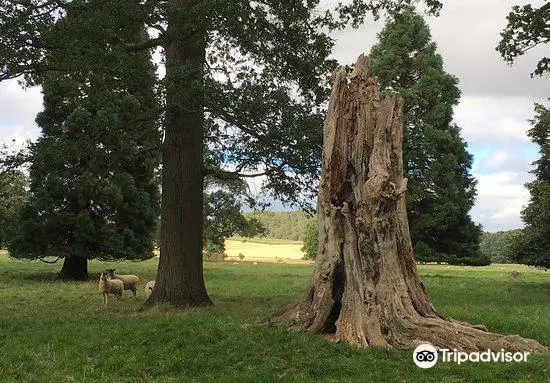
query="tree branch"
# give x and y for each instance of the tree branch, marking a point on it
(43, 260)
(228, 175)
(222, 114)
(158, 27)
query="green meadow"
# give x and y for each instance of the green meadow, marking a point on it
(52, 331)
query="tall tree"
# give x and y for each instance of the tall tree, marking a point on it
(441, 189)
(93, 184)
(533, 245)
(251, 74)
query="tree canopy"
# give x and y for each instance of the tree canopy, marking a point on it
(93, 182)
(527, 28)
(256, 92)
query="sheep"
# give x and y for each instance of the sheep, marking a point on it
(130, 281)
(110, 286)
(149, 288)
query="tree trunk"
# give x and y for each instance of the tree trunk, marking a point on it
(180, 274)
(365, 288)
(74, 269)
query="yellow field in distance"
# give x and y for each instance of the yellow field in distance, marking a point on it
(253, 251)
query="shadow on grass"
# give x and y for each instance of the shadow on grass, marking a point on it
(54, 277)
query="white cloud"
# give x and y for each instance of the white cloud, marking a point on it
(494, 120)
(501, 197)
(18, 109)
(497, 159)
(467, 33)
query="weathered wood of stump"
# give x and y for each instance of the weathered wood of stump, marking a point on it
(365, 287)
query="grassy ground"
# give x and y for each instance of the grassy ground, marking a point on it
(52, 331)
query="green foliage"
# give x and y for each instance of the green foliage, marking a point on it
(527, 28)
(13, 194)
(499, 246)
(311, 239)
(533, 246)
(424, 253)
(282, 224)
(441, 190)
(274, 96)
(93, 183)
(478, 260)
(223, 218)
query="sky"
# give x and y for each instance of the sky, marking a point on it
(496, 103)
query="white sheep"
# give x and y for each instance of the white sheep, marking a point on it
(110, 286)
(149, 286)
(130, 281)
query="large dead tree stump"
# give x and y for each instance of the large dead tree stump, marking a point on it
(365, 287)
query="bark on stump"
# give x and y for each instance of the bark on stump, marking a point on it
(365, 287)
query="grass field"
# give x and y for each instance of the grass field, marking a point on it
(258, 249)
(52, 331)
(267, 241)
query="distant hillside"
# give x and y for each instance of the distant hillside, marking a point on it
(288, 225)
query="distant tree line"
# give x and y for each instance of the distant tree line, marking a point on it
(499, 246)
(289, 225)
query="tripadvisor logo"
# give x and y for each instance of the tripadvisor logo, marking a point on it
(426, 356)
